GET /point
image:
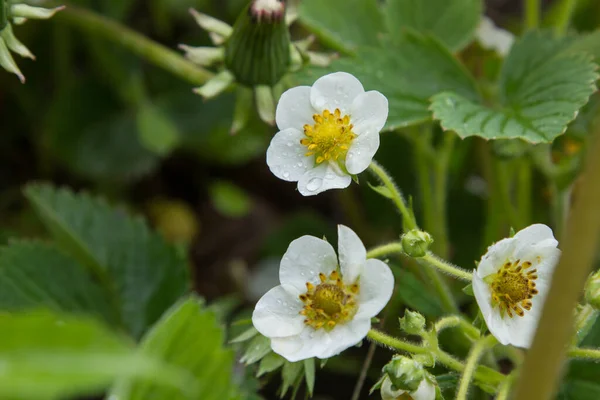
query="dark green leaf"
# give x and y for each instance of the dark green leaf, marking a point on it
(142, 273)
(48, 356)
(343, 24)
(407, 73)
(291, 375)
(415, 295)
(542, 88)
(34, 274)
(187, 337)
(157, 132)
(453, 22)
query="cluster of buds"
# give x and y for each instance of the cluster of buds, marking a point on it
(416, 243)
(256, 53)
(16, 13)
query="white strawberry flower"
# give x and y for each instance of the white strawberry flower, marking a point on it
(328, 132)
(425, 391)
(493, 38)
(511, 283)
(323, 306)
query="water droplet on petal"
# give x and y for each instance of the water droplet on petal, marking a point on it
(314, 184)
(286, 174)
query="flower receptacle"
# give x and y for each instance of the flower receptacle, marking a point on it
(416, 243)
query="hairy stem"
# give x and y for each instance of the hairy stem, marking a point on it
(395, 343)
(151, 51)
(475, 354)
(583, 353)
(456, 321)
(385, 250)
(408, 219)
(543, 363)
(446, 267)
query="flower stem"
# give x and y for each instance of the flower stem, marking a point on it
(566, 12)
(504, 389)
(476, 352)
(544, 360)
(155, 53)
(385, 249)
(532, 13)
(408, 219)
(3, 14)
(456, 321)
(584, 353)
(445, 267)
(395, 343)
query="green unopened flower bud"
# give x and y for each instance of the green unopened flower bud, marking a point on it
(27, 11)
(592, 290)
(412, 323)
(404, 373)
(258, 50)
(416, 243)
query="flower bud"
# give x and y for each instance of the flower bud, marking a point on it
(416, 243)
(404, 373)
(412, 323)
(258, 50)
(27, 11)
(592, 290)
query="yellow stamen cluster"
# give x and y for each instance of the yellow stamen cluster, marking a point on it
(513, 287)
(330, 303)
(330, 137)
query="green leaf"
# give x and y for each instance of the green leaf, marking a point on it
(258, 348)
(157, 132)
(542, 88)
(588, 43)
(187, 337)
(453, 22)
(229, 199)
(382, 190)
(89, 134)
(34, 274)
(407, 73)
(142, 273)
(269, 363)
(309, 374)
(416, 295)
(343, 24)
(50, 356)
(468, 290)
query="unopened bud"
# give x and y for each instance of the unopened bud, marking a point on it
(592, 290)
(27, 11)
(258, 51)
(416, 243)
(404, 373)
(412, 323)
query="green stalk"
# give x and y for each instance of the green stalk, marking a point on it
(394, 343)
(543, 363)
(586, 354)
(385, 250)
(475, 354)
(440, 179)
(566, 12)
(408, 219)
(138, 44)
(3, 14)
(524, 173)
(532, 14)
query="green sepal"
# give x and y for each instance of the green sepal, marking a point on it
(258, 51)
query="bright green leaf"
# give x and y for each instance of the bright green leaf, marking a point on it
(343, 24)
(187, 337)
(453, 22)
(542, 88)
(407, 73)
(142, 273)
(246, 335)
(156, 131)
(229, 199)
(588, 43)
(269, 363)
(34, 275)
(382, 190)
(48, 356)
(291, 375)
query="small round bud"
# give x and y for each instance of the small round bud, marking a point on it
(404, 373)
(412, 323)
(416, 243)
(592, 290)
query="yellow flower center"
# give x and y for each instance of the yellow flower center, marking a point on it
(330, 137)
(513, 287)
(330, 303)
